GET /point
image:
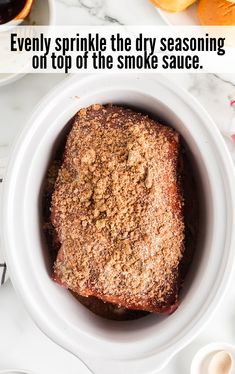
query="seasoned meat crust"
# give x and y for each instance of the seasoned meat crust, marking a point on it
(117, 209)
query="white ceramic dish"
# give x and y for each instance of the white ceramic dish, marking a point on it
(203, 357)
(186, 18)
(141, 346)
(42, 13)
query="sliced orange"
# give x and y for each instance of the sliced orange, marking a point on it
(216, 12)
(173, 5)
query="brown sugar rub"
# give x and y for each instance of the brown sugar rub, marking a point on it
(117, 209)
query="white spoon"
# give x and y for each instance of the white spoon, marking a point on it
(221, 363)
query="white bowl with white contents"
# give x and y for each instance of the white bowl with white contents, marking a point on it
(146, 345)
(203, 360)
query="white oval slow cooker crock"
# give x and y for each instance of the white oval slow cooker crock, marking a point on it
(145, 345)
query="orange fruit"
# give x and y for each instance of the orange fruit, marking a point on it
(173, 5)
(216, 12)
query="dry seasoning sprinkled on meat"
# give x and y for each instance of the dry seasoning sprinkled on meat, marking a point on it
(117, 210)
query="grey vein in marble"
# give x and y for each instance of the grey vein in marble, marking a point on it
(95, 8)
(227, 80)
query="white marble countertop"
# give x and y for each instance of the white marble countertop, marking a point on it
(22, 345)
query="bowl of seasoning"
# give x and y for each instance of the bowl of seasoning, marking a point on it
(14, 11)
(25, 13)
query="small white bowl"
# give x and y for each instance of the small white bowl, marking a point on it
(204, 355)
(42, 14)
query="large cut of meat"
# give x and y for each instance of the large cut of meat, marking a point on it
(117, 209)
